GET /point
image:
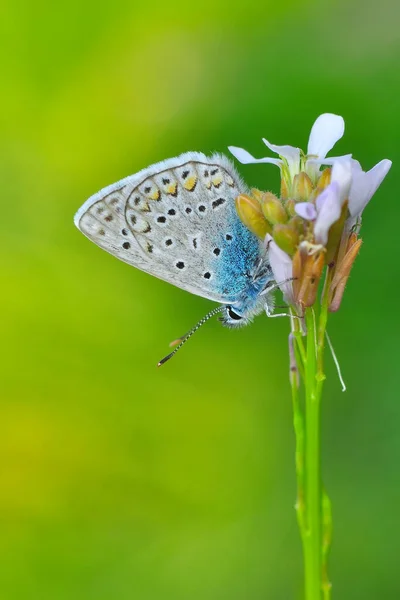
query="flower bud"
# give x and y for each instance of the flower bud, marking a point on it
(273, 209)
(289, 206)
(335, 235)
(302, 187)
(298, 224)
(324, 180)
(286, 237)
(251, 215)
(284, 189)
(257, 194)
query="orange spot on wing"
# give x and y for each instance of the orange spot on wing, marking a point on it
(171, 189)
(190, 183)
(216, 181)
(156, 195)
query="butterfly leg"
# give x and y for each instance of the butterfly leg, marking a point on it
(270, 314)
(269, 305)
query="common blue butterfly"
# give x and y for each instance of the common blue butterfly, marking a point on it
(177, 221)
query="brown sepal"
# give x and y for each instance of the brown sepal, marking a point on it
(342, 273)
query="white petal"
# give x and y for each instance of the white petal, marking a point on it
(364, 185)
(329, 205)
(325, 132)
(306, 210)
(281, 265)
(327, 161)
(313, 164)
(246, 158)
(289, 153)
(342, 172)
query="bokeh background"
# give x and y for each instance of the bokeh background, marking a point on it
(122, 481)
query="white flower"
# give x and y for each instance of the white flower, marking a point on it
(328, 207)
(324, 213)
(325, 132)
(349, 186)
(363, 187)
(281, 265)
(348, 182)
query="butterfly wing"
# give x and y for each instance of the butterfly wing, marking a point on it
(177, 220)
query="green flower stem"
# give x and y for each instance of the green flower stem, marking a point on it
(312, 558)
(326, 505)
(313, 507)
(299, 342)
(326, 543)
(298, 425)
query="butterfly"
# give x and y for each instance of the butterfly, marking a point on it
(177, 220)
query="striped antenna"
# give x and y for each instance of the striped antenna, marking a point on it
(180, 341)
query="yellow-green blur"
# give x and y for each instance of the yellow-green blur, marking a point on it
(120, 481)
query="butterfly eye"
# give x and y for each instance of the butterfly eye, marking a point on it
(232, 314)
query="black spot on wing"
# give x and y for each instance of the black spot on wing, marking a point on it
(218, 202)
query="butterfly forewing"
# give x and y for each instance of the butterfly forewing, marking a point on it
(177, 221)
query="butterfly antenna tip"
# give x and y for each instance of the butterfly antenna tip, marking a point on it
(180, 341)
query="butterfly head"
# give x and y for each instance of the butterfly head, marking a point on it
(234, 318)
(242, 313)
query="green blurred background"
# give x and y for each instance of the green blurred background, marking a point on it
(122, 481)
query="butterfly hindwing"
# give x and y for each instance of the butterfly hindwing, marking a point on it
(177, 221)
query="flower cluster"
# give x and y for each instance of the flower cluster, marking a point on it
(316, 220)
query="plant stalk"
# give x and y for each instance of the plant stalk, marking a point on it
(312, 558)
(313, 506)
